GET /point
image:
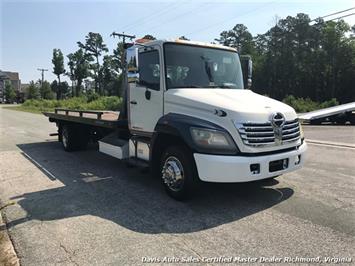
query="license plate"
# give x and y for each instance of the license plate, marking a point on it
(278, 165)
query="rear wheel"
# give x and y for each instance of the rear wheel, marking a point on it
(178, 172)
(74, 137)
(64, 137)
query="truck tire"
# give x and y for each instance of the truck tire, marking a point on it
(178, 172)
(60, 137)
(352, 119)
(315, 122)
(73, 138)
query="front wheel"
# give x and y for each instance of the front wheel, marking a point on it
(178, 172)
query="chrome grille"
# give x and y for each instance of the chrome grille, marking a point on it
(264, 134)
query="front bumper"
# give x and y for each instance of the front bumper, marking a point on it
(233, 169)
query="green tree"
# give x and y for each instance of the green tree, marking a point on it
(55, 86)
(338, 57)
(117, 57)
(10, 94)
(79, 68)
(149, 37)
(296, 58)
(45, 91)
(63, 87)
(32, 91)
(94, 47)
(71, 75)
(58, 68)
(239, 37)
(111, 75)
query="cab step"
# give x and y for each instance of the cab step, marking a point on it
(136, 162)
(115, 147)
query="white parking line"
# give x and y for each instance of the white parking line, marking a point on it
(341, 145)
(51, 176)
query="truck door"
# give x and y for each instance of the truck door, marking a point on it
(146, 94)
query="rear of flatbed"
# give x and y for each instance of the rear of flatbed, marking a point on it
(77, 127)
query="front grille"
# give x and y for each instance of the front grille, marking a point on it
(264, 134)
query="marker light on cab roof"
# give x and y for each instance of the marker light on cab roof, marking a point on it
(206, 44)
(142, 40)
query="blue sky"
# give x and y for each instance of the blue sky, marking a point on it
(29, 30)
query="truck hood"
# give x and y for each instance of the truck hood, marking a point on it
(242, 105)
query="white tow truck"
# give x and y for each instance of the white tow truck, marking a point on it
(188, 116)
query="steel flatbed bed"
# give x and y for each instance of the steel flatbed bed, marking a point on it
(340, 114)
(106, 119)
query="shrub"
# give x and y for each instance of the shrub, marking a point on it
(81, 103)
(92, 96)
(330, 103)
(302, 105)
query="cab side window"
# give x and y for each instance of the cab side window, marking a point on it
(149, 69)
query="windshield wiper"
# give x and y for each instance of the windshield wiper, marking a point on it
(222, 86)
(188, 86)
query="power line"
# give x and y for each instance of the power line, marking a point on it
(134, 22)
(348, 15)
(203, 5)
(240, 15)
(333, 14)
(153, 16)
(253, 10)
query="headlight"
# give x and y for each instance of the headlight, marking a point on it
(212, 139)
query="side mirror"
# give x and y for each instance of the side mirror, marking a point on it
(247, 69)
(132, 77)
(132, 65)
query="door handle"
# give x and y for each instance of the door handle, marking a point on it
(133, 102)
(147, 94)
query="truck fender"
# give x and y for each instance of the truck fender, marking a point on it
(178, 125)
(174, 128)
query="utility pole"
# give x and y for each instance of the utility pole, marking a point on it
(123, 112)
(42, 70)
(123, 36)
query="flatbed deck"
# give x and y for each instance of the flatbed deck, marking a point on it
(107, 119)
(331, 114)
(343, 108)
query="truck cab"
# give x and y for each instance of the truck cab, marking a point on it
(191, 118)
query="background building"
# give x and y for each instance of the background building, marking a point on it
(12, 77)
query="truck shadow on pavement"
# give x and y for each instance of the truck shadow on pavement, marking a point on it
(98, 185)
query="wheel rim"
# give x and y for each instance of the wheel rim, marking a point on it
(173, 174)
(65, 137)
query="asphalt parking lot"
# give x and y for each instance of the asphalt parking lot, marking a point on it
(85, 208)
(331, 133)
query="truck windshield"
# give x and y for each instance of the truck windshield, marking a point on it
(188, 66)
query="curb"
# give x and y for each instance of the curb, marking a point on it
(8, 255)
(329, 143)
